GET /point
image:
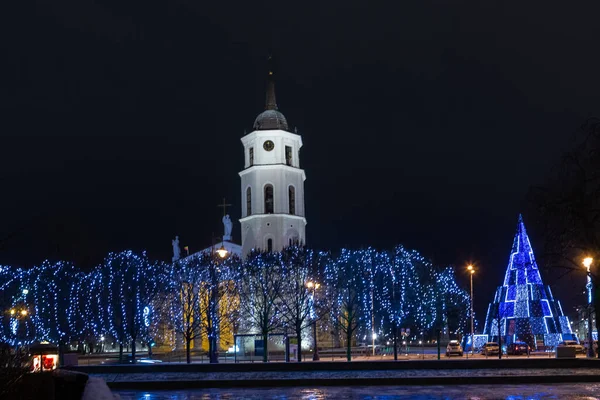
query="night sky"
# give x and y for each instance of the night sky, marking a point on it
(424, 123)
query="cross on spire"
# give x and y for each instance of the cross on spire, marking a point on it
(224, 205)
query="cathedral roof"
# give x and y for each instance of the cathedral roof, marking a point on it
(271, 118)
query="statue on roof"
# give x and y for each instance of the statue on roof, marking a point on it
(227, 227)
(176, 250)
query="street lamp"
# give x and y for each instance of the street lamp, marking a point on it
(314, 286)
(472, 271)
(222, 252)
(587, 263)
(15, 313)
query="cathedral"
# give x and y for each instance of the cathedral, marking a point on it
(272, 185)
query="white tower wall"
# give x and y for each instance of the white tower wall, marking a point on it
(280, 168)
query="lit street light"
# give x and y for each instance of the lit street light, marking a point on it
(472, 271)
(16, 312)
(587, 263)
(222, 252)
(314, 286)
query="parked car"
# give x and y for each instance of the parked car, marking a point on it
(517, 348)
(490, 348)
(572, 343)
(454, 347)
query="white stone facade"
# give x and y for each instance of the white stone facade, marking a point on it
(273, 214)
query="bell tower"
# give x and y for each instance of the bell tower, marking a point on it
(272, 182)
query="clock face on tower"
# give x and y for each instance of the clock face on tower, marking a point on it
(268, 145)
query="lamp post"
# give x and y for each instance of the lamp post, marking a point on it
(587, 263)
(373, 335)
(472, 271)
(222, 253)
(17, 314)
(314, 286)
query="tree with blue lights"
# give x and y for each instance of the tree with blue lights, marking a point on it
(300, 302)
(219, 305)
(128, 299)
(344, 277)
(186, 298)
(260, 288)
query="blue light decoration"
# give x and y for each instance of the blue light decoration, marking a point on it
(127, 298)
(400, 288)
(528, 311)
(147, 313)
(479, 341)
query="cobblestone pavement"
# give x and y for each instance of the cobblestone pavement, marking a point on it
(569, 391)
(316, 375)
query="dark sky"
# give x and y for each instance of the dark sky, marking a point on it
(424, 122)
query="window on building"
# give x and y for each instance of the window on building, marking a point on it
(292, 200)
(269, 199)
(288, 155)
(248, 202)
(269, 245)
(251, 156)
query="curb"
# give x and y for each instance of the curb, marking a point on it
(342, 366)
(440, 380)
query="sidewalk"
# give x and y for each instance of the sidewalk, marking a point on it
(179, 380)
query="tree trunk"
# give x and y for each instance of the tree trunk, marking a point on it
(299, 336)
(215, 349)
(265, 347)
(133, 351)
(210, 347)
(188, 352)
(120, 352)
(349, 344)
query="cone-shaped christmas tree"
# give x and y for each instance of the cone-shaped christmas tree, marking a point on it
(524, 307)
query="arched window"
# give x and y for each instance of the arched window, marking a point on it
(248, 202)
(268, 199)
(269, 245)
(292, 200)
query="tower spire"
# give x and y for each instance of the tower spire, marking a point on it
(271, 103)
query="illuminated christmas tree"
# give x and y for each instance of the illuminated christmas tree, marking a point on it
(525, 307)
